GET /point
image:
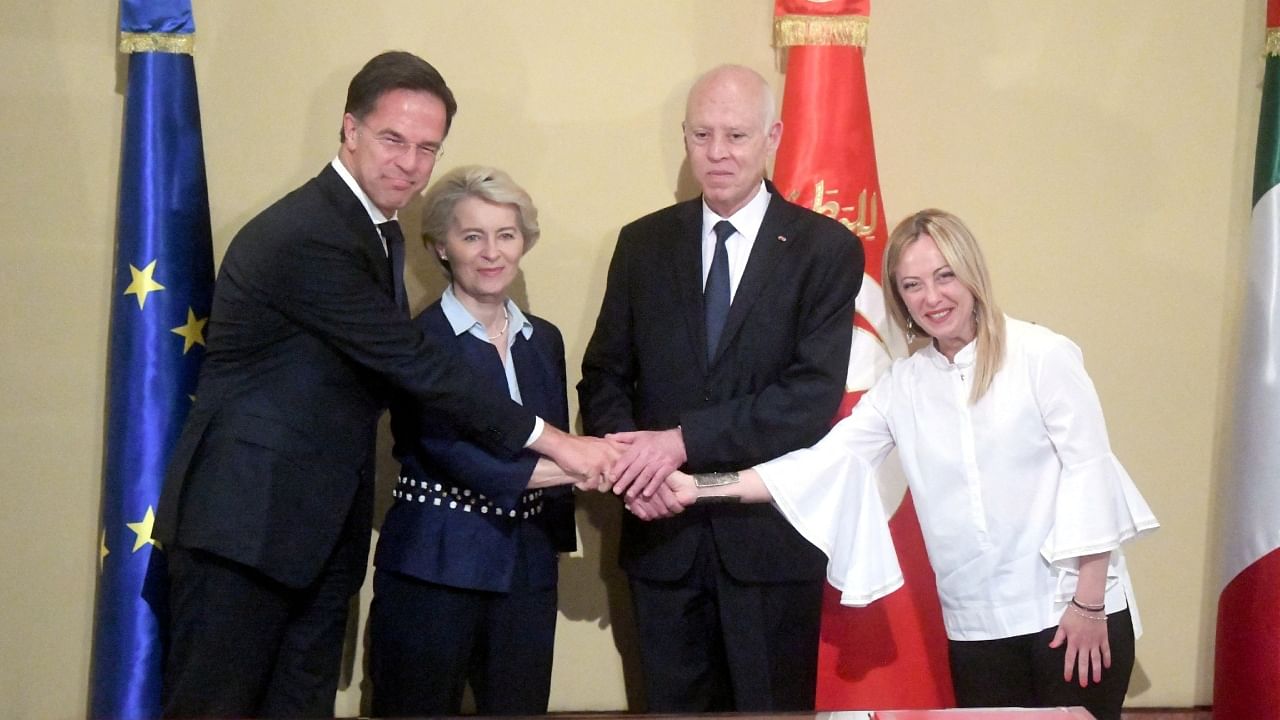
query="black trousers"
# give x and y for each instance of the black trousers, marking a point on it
(1023, 671)
(710, 643)
(427, 641)
(244, 645)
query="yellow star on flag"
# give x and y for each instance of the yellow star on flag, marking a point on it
(103, 552)
(142, 529)
(142, 283)
(192, 333)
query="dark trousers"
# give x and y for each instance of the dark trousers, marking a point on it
(1023, 671)
(244, 645)
(427, 641)
(710, 643)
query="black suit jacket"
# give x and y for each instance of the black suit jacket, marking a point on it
(475, 532)
(774, 385)
(304, 343)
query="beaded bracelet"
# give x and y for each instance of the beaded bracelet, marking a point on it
(1090, 608)
(1086, 616)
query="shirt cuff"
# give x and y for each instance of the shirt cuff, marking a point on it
(538, 426)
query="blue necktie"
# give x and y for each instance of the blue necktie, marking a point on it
(395, 253)
(716, 294)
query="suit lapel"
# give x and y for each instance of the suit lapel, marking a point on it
(530, 374)
(359, 224)
(686, 258)
(767, 252)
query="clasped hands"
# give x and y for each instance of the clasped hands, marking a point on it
(640, 466)
(646, 474)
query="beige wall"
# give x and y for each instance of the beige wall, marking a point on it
(1102, 150)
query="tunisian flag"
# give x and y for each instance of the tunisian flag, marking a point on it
(1247, 669)
(893, 653)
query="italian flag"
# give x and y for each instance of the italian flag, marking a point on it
(1247, 668)
(893, 653)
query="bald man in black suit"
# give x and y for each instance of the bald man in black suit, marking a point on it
(727, 598)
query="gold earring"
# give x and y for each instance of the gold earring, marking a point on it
(911, 331)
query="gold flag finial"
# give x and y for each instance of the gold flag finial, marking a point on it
(178, 43)
(793, 30)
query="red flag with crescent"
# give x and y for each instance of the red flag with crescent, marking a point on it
(893, 653)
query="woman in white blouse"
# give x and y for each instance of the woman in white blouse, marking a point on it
(1023, 505)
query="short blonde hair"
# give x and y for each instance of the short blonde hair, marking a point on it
(479, 181)
(960, 249)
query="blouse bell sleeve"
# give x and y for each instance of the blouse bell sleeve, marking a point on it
(1097, 506)
(828, 492)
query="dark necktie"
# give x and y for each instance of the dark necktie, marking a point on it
(395, 255)
(716, 294)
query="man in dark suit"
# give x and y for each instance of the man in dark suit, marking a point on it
(723, 341)
(267, 505)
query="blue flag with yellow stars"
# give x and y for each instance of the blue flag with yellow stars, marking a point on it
(161, 292)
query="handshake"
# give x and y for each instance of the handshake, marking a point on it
(641, 467)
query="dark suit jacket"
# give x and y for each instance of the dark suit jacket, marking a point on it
(478, 537)
(774, 385)
(304, 344)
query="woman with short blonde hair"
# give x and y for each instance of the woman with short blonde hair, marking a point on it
(464, 591)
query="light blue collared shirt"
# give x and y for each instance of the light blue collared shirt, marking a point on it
(462, 321)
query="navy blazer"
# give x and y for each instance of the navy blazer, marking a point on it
(773, 386)
(304, 341)
(461, 515)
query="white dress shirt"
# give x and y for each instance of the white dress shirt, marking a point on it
(1010, 491)
(374, 213)
(746, 224)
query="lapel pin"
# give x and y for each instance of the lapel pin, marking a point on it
(782, 238)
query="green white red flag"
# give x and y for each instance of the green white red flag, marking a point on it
(893, 653)
(1247, 667)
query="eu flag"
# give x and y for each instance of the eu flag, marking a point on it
(161, 292)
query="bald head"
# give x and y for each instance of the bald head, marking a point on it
(749, 83)
(730, 130)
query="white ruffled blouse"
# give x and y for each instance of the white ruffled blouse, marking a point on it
(1009, 491)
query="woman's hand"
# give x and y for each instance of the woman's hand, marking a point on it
(671, 497)
(1088, 647)
(1085, 631)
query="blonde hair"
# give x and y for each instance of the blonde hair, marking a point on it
(479, 181)
(961, 251)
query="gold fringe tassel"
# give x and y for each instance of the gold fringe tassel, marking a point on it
(1273, 42)
(178, 43)
(793, 30)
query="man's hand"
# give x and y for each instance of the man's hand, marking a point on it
(589, 459)
(595, 484)
(650, 456)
